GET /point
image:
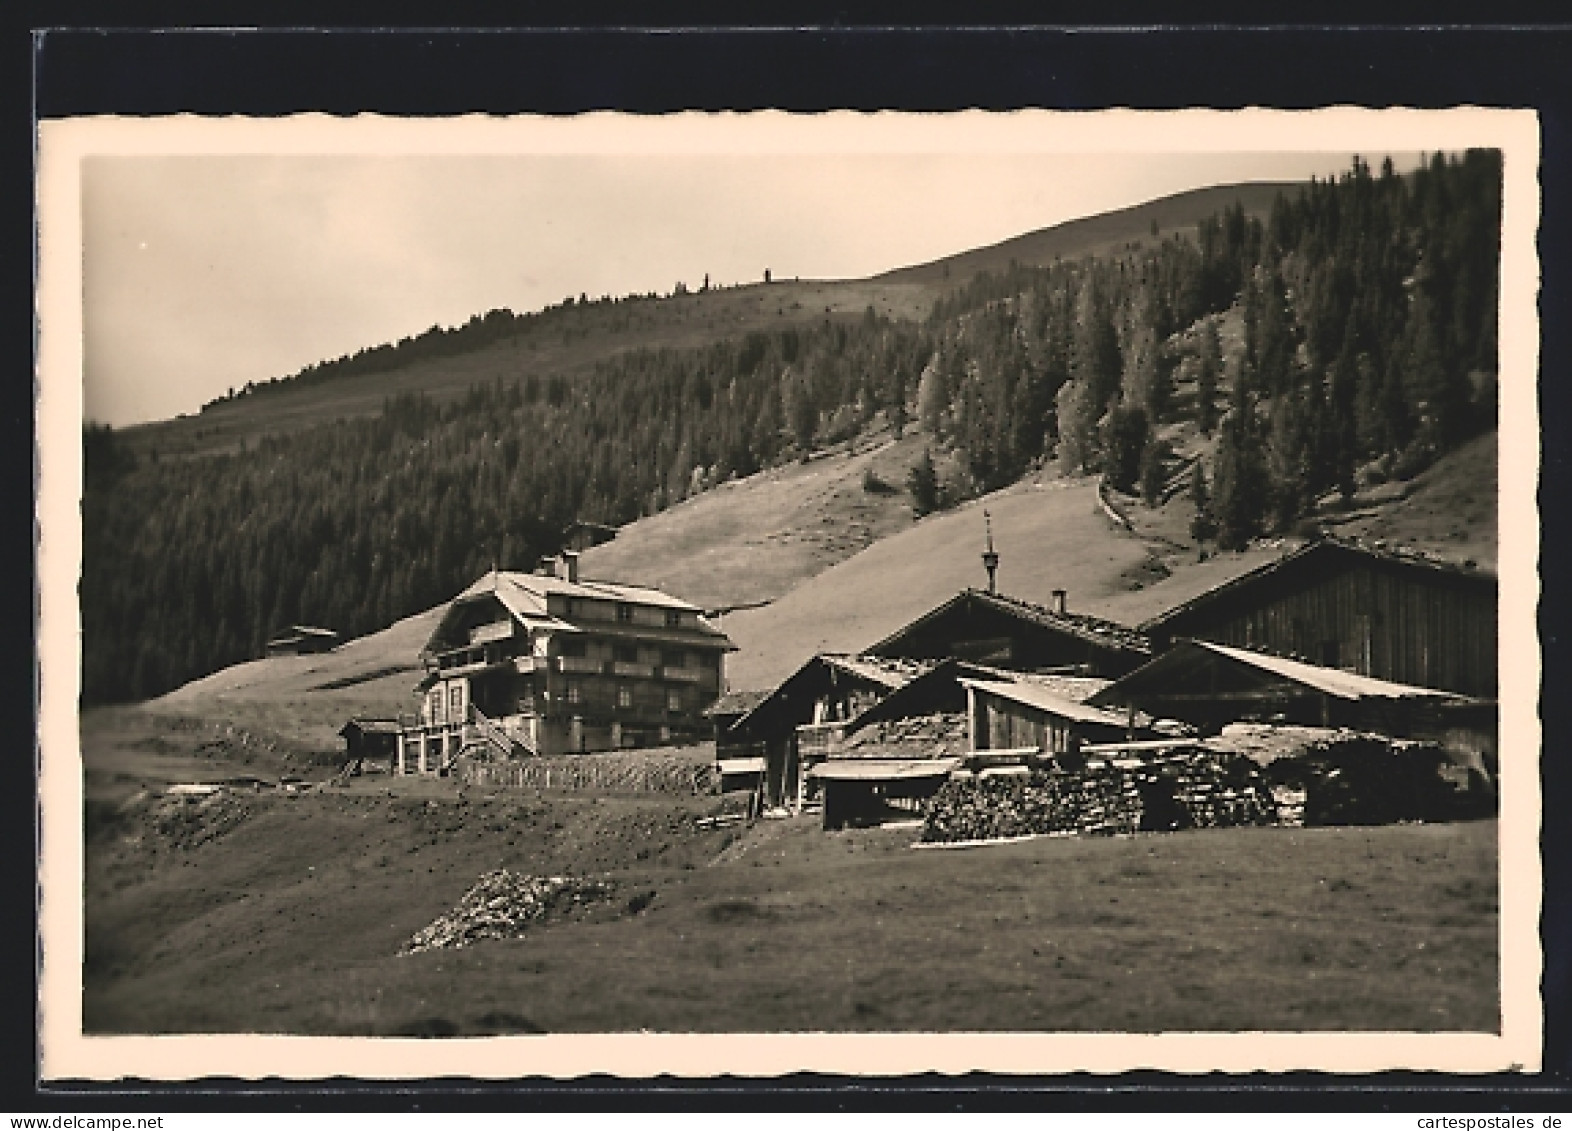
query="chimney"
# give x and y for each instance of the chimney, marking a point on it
(990, 557)
(568, 566)
(1059, 596)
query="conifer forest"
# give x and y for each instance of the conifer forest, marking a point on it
(1351, 333)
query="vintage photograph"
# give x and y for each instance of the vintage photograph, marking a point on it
(849, 577)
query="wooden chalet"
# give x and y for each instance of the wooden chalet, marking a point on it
(547, 663)
(1007, 632)
(1210, 685)
(302, 640)
(1367, 609)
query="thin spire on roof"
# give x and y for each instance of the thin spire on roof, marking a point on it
(990, 556)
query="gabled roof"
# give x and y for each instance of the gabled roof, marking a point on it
(1093, 630)
(1040, 698)
(892, 675)
(1328, 681)
(1321, 553)
(527, 597)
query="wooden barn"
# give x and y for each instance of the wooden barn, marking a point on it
(1210, 685)
(302, 640)
(1366, 609)
(580, 536)
(809, 713)
(1006, 632)
(549, 663)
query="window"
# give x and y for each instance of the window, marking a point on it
(456, 700)
(575, 648)
(673, 618)
(627, 653)
(575, 692)
(673, 700)
(625, 614)
(673, 658)
(624, 696)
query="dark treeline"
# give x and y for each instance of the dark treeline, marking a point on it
(1354, 329)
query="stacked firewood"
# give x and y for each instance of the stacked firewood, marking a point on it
(501, 905)
(1042, 801)
(1195, 788)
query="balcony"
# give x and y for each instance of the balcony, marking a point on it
(578, 665)
(637, 671)
(683, 675)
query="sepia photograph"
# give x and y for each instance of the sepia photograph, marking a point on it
(759, 592)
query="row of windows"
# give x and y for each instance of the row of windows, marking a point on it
(581, 608)
(575, 694)
(632, 654)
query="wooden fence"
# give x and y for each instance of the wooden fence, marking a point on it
(602, 773)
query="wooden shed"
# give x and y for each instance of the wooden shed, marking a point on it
(376, 739)
(1210, 685)
(867, 791)
(1370, 609)
(1020, 715)
(302, 640)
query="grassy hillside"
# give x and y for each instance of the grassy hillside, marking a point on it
(569, 341)
(755, 539)
(1104, 234)
(1050, 535)
(285, 912)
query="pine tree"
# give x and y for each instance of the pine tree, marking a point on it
(1209, 366)
(1203, 527)
(922, 483)
(1239, 501)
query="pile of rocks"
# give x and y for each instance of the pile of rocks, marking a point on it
(500, 905)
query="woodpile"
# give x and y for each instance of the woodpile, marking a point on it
(1193, 788)
(1323, 776)
(501, 905)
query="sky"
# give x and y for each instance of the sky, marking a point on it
(202, 272)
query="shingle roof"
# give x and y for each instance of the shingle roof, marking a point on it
(878, 669)
(913, 737)
(1095, 630)
(1077, 688)
(735, 703)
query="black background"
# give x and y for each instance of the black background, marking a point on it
(75, 59)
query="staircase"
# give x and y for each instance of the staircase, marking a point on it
(483, 735)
